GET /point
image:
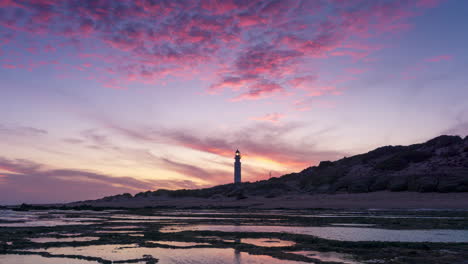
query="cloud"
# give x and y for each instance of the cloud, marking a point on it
(460, 126)
(439, 58)
(21, 130)
(310, 103)
(274, 117)
(100, 141)
(461, 129)
(248, 43)
(206, 175)
(260, 90)
(26, 181)
(270, 142)
(421, 67)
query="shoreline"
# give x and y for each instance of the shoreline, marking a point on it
(374, 200)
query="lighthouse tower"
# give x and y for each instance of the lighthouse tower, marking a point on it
(237, 167)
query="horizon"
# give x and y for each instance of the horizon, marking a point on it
(462, 137)
(108, 97)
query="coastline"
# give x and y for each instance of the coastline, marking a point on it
(373, 200)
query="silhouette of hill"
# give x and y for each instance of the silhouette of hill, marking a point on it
(438, 165)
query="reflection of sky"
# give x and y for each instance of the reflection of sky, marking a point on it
(343, 233)
(104, 94)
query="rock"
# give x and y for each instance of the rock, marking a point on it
(381, 183)
(443, 141)
(324, 164)
(423, 183)
(398, 184)
(448, 183)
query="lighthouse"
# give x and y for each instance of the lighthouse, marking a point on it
(237, 167)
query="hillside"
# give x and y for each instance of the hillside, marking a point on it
(438, 165)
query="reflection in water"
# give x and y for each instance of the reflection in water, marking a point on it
(352, 224)
(123, 227)
(180, 244)
(166, 255)
(33, 259)
(341, 233)
(34, 223)
(118, 231)
(266, 242)
(65, 239)
(327, 256)
(237, 253)
(43, 218)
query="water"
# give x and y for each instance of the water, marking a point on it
(327, 256)
(44, 223)
(33, 259)
(64, 239)
(267, 242)
(132, 238)
(180, 244)
(340, 233)
(43, 219)
(167, 255)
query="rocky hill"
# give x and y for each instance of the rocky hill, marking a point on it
(438, 165)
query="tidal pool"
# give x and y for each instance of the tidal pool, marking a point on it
(64, 239)
(167, 255)
(122, 227)
(34, 259)
(179, 244)
(45, 223)
(267, 242)
(117, 231)
(327, 256)
(339, 233)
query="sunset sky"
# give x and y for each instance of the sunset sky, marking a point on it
(101, 97)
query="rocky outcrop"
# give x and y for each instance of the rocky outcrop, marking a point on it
(439, 165)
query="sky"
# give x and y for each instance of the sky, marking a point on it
(101, 97)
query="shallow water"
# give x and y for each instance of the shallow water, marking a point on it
(117, 231)
(42, 218)
(151, 234)
(267, 242)
(351, 224)
(64, 239)
(168, 255)
(340, 233)
(122, 227)
(33, 259)
(38, 223)
(179, 244)
(327, 256)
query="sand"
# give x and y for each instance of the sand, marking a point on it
(378, 200)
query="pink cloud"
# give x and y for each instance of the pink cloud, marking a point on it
(439, 58)
(310, 103)
(150, 40)
(274, 117)
(301, 81)
(271, 141)
(9, 66)
(356, 70)
(259, 90)
(321, 90)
